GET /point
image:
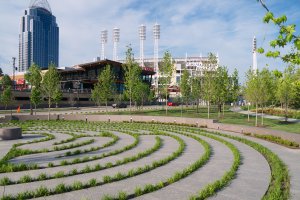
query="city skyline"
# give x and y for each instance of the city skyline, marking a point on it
(222, 27)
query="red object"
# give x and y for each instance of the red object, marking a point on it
(172, 104)
(19, 109)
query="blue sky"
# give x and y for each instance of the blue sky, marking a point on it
(192, 26)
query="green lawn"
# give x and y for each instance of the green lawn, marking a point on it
(230, 117)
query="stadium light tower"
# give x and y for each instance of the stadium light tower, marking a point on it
(142, 33)
(156, 35)
(116, 38)
(254, 67)
(103, 42)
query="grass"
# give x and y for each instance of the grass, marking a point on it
(229, 118)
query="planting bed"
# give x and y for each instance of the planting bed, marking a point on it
(79, 160)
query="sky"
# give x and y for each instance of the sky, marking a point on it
(192, 27)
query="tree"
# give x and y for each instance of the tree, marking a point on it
(234, 87)
(185, 86)
(34, 77)
(253, 90)
(132, 75)
(196, 91)
(142, 94)
(104, 88)
(57, 96)
(50, 85)
(208, 85)
(286, 88)
(36, 97)
(6, 81)
(286, 38)
(1, 72)
(221, 84)
(96, 97)
(166, 70)
(6, 97)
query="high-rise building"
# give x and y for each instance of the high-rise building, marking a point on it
(39, 37)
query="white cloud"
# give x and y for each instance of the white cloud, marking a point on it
(192, 27)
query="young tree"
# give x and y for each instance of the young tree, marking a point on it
(57, 96)
(234, 87)
(50, 85)
(267, 87)
(36, 97)
(96, 95)
(6, 97)
(142, 94)
(132, 75)
(196, 91)
(1, 72)
(253, 90)
(286, 88)
(185, 86)
(105, 87)
(208, 85)
(6, 81)
(34, 77)
(166, 70)
(221, 84)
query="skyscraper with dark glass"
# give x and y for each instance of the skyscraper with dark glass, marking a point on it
(39, 37)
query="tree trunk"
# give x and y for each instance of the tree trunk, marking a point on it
(262, 115)
(197, 105)
(256, 115)
(49, 108)
(35, 109)
(31, 111)
(106, 107)
(223, 110)
(248, 112)
(208, 104)
(286, 112)
(167, 102)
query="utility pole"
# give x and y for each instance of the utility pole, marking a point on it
(14, 72)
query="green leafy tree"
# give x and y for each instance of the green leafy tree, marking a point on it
(208, 81)
(234, 87)
(57, 96)
(267, 90)
(286, 89)
(1, 72)
(6, 97)
(196, 91)
(185, 86)
(6, 81)
(142, 94)
(104, 89)
(286, 39)
(166, 69)
(221, 84)
(253, 90)
(132, 76)
(34, 77)
(50, 86)
(36, 97)
(96, 95)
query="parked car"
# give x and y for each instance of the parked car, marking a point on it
(119, 105)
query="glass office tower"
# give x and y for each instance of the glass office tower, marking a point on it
(39, 37)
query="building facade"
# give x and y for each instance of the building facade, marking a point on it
(39, 37)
